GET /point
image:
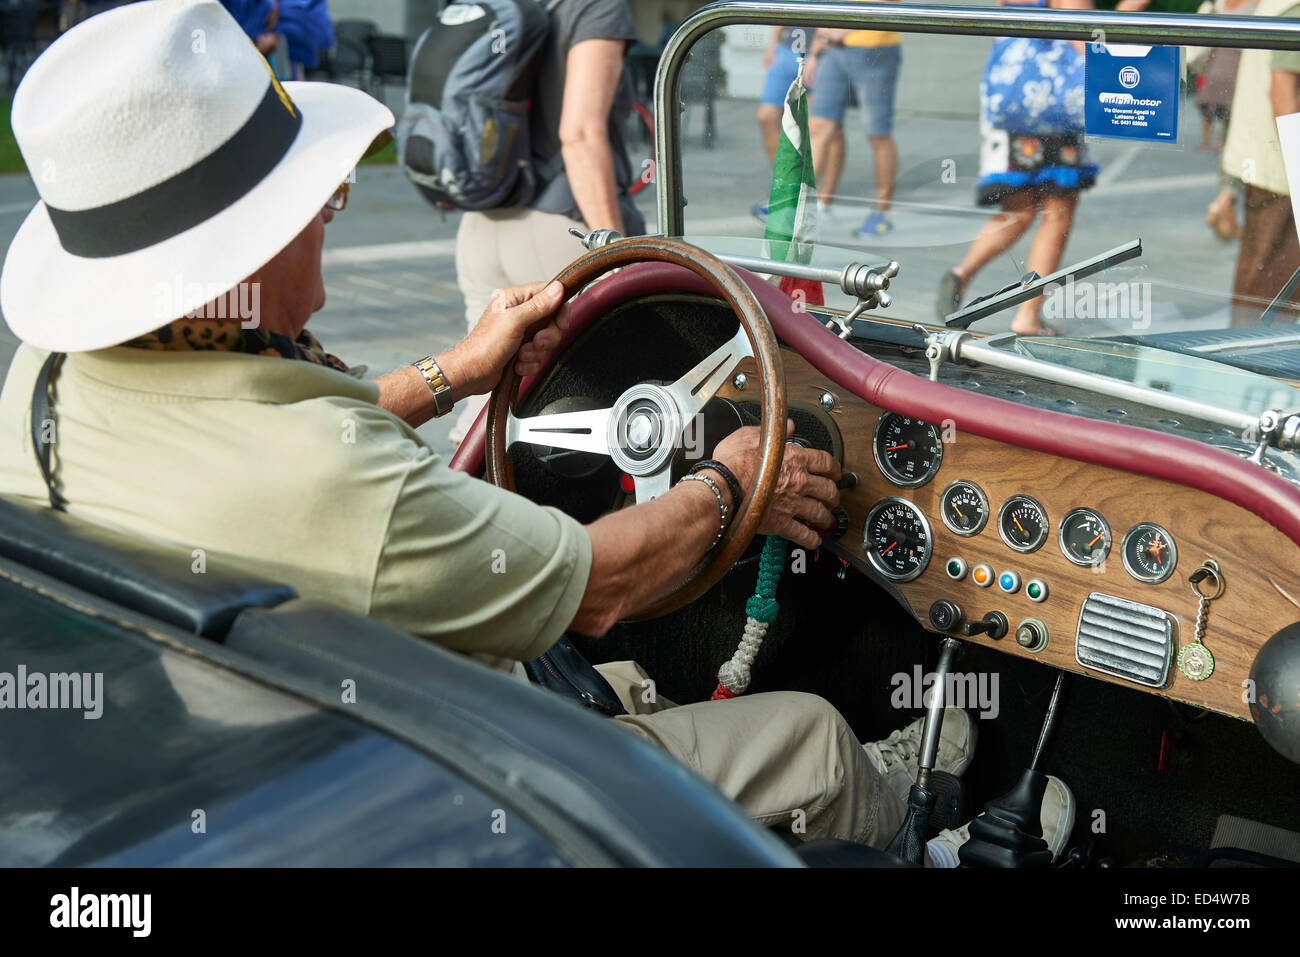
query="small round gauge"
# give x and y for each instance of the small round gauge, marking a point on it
(1149, 553)
(908, 451)
(1022, 523)
(964, 507)
(896, 538)
(1084, 537)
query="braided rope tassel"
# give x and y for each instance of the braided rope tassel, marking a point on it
(761, 609)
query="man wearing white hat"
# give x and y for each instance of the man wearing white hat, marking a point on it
(161, 288)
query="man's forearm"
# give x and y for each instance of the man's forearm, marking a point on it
(1283, 92)
(589, 163)
(406, 393)
(639, 554)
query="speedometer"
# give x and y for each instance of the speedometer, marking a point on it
(896, 538)
(908, 451)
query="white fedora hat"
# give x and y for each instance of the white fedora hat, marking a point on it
(171, 165)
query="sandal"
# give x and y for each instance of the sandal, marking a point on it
(948, 300)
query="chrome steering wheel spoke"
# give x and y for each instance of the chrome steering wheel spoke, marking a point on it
(645, 428)
(652, 486)
(576, 431)
(693, 390)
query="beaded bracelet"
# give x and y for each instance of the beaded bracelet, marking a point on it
(733, 485)
(722, 503)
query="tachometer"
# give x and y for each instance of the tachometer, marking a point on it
(1149, 553)
(908, 451)
(896, 538)
(964, 508)
(1084, 537)
(1022, 523)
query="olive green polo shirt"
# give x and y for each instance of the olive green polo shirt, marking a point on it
(291, 471)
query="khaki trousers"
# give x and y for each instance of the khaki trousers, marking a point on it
(788, 758)
(505, 247)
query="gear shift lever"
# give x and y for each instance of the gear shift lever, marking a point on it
(909, 842)
(1009, 832)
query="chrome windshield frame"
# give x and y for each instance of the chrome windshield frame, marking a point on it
(1143, 28)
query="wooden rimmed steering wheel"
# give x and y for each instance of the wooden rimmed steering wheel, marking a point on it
(643, 430)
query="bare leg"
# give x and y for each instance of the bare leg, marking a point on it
(828, 162)
(769, 122)
(885, 153)
(835, 161)
(1045, 254)
(998, 234)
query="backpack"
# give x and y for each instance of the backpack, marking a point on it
(463, 138)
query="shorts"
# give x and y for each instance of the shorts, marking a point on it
(1214, 111)
(1046, 165)
(784, 68)
(872, 72)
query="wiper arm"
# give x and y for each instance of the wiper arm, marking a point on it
(1032, 285)
(1282, 298)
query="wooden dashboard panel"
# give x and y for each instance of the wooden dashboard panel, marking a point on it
(1261, 566)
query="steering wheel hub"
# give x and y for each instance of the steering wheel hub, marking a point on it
(644, 429)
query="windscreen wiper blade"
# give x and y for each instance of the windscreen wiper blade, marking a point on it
(1282, 298)
(1032, 285)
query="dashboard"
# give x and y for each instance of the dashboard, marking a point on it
(1082, 566)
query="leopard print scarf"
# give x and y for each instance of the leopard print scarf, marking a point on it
(203, 335)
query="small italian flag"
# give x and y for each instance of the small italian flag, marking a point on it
(792, 204)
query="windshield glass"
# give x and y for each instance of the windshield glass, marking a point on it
(968, 160)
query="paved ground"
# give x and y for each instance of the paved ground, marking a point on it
(389, 265)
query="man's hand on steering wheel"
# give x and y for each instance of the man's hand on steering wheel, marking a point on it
(474, 366)
(805, 492)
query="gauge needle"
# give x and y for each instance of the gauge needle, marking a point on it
(1018, 525)
(889, 549)
(958, 511)
(895, 448)
(1154, 550)
(1094, 541)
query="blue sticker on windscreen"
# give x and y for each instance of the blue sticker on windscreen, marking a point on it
(1131, 92)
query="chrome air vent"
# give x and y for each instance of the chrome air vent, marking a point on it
(1126, 639)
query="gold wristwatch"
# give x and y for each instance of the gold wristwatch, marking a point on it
(442, 400)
